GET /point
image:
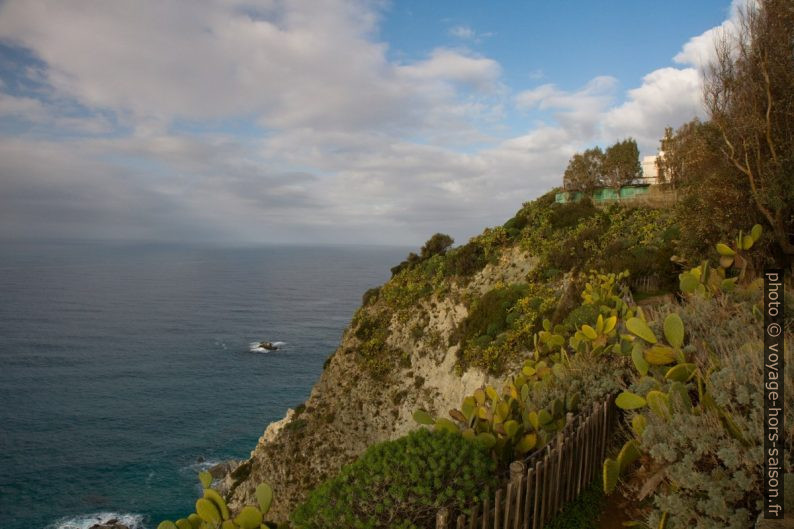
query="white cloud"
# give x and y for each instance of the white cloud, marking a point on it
(355, 147)
(448, 65)
(668, 96)
(462, 32)
(468, 33)
(580, 110)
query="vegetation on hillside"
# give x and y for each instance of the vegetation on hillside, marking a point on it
(401, 484)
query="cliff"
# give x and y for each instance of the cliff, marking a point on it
(448, 321)
(351, 407)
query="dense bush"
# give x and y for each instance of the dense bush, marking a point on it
(371, 327)
(577, 248)
(582, 513)
(583, 314)
(571, 213)
(401, 484)
(516, 224)
(489, 314)
(438, 244)
(467, 260)
(500, 325)
(370, 296)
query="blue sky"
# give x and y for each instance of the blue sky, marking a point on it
(314, 121)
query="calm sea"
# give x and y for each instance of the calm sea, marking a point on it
(123, 366)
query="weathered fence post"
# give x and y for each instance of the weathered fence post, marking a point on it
(528, 497)
(442, 518)
(497, 508)
(517, 471)
(508, 503)
(536, 523)
(473, 518)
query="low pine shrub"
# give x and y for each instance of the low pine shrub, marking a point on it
(401, 484)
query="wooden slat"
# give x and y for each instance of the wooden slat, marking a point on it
(497, 509)
(590, 447)
(473, 517)
(604, 433)
(599, 426)
(536, 500)
(569, 492)
(544, 508)
(486, 513)
(558, 486)
(519, 501)
(442, 518)
(528, 498)
(461, 522)
(578, 461)
(508, 504)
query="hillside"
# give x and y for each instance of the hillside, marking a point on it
(450, 321)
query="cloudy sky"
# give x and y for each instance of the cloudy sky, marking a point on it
(323, 121)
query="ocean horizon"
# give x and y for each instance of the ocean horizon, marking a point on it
(128, 367)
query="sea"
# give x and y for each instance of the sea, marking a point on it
(125, 369)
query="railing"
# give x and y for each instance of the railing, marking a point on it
(657, 199)
(541, 485)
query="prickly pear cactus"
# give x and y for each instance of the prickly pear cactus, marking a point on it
(213, 513)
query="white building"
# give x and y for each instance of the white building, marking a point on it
(650, 173)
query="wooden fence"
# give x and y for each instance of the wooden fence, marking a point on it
(541, 485)
(649, 283)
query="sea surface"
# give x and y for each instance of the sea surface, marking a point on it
(123, 367)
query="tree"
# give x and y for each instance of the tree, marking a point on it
(584, 171)
(621, 163)
(438, 243)
(749, 97)
(714, 197)
(684, 152)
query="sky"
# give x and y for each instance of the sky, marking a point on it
(324, 121)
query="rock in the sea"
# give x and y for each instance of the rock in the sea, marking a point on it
(110, 524)
(222, 469)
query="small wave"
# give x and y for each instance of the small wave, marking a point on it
(84, 521)
(197, 467)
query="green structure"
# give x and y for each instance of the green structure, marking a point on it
(605, 194)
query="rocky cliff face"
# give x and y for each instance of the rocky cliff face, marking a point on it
(351, 408)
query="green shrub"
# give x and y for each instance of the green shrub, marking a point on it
(372, 330)
(438, 244)
(582, 513)
(401, 484)
(581, 315)
(467, 260)
(435, 245)
(576, 249)
(501, 325)
(489, 314)
(570, 214)
(370, 296)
